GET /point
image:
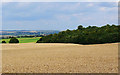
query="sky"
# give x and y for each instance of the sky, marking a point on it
(57, 15)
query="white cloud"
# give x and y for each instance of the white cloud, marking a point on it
(71, 7)
(60, 0)
(23, 4)
(57, 14)
(63, 17)
(77, 14)
(90, 5)
(116, 3)
(103, 9)
(108, 9)
(8, 0)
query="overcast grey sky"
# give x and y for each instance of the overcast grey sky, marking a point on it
(57, 15)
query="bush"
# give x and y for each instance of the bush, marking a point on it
(14, 40)
(39, 40)
(3, 41)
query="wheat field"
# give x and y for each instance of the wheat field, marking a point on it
(59, 58)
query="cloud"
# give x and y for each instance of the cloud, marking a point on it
(23, 4)
(60, 0)
(57, 15)
(103, 9)
(90, 5)
(71, 7)
(112, 9)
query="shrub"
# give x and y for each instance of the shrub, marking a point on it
(39, 40)
(14, 40)
(3, 41)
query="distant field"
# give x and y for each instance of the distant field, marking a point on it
(23, 40)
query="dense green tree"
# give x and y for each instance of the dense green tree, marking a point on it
(14, 40)
(39, 40)
(3, 41)
(88, 35)
(80, 27)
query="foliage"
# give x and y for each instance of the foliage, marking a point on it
(88, 35)
(39, 40)
(23, 40)
(14, 40)
(3, 41)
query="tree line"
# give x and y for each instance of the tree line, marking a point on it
(12, 40)
(22, 36)
(85, 35)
